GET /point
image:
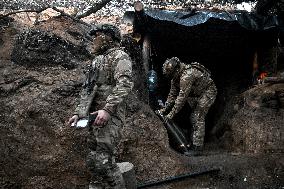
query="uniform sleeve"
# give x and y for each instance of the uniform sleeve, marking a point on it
(172, 95)
(186, 82)
(124, 83)
(86, 99)
(82, 110)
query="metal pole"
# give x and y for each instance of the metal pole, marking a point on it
(175, 178)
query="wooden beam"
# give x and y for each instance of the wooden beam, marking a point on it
(93, 9)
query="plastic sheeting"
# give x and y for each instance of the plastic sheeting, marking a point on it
(247, 20)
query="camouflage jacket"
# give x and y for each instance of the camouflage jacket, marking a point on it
(113, 84)
(191, 81)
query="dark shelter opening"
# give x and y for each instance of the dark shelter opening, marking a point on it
(225, 43)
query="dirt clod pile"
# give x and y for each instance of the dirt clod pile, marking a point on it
(252, 122)
(40, 47)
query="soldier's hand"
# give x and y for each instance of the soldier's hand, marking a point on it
(74, 119)
(163, 111)
(102, 117)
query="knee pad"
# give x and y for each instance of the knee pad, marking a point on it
(99, 163)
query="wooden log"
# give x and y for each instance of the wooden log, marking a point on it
(93, 9)
(128, 173)
(138, 6)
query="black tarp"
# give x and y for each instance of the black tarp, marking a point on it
(250, 21)
(219, 35)
(222, 27)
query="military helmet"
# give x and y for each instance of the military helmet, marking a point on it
(109, 29)
(171, 65)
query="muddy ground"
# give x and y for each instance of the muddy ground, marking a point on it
(39, 151)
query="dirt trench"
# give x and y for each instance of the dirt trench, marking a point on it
(38, 150)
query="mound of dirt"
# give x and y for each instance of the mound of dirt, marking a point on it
(40, 47)
(7, 33)
(253, 121)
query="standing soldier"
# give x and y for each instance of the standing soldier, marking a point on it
(105, 90)
(191, 83)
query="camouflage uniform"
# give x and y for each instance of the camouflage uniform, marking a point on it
(193, 84)
(113, 84)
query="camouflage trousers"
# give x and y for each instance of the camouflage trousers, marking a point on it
(102, 144)
(200, 107)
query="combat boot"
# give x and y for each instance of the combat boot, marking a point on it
(194, 151)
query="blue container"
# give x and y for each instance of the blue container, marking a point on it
(152, 80)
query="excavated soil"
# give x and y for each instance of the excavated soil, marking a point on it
(38, 150)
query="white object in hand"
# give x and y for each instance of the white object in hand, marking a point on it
(80, 123)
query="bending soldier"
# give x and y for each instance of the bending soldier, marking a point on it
(190, 83)
(113, 82)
